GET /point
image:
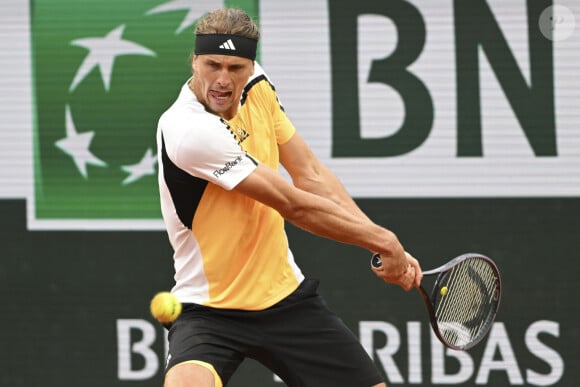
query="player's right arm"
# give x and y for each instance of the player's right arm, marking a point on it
(325, 218)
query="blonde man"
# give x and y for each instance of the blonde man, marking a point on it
(224, 204)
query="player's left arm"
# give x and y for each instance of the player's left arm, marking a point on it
(310, 174)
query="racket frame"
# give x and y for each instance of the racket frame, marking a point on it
(429, 299)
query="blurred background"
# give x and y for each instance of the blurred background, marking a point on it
(454, 123)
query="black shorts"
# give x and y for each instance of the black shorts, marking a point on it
(299, 339)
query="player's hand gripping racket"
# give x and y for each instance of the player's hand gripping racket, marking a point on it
(464, 301)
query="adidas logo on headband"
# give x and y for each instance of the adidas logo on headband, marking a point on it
(228, 45)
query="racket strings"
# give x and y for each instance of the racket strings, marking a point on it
(462, 314)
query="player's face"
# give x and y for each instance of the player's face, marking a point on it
(219, 80)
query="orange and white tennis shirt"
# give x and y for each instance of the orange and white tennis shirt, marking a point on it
(230, 251)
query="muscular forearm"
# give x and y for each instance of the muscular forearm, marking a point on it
(319, 215)
(332, 220)
(324, 183)
(324, 217)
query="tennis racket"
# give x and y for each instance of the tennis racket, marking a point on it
(464, 301)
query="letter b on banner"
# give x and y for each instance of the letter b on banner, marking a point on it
(391, 71)
(126, 349)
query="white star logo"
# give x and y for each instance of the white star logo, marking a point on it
(143, 168)
(102, 54)
(195, 9)
(76, 145)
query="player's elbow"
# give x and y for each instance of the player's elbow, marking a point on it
(294, 212)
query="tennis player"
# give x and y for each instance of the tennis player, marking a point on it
(224, 205)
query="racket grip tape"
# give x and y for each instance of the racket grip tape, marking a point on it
(376, 261)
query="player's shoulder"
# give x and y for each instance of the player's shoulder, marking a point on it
(259, 84)
(258, 71)
(259, 77)
(186, 108)
(187, 121)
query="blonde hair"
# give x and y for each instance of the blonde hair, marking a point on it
(233, 21)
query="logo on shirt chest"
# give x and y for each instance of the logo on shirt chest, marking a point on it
(240, 134)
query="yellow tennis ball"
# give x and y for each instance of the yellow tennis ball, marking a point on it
(443, 290)
(165, 307)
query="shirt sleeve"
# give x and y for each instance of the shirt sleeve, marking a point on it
(203, 146)
(284, 128)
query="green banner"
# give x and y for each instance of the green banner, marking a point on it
(104, 71)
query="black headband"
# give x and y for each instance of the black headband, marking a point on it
(226, 44)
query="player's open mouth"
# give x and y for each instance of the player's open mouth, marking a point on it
(220, 96)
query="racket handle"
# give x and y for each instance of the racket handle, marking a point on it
(376, 261)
